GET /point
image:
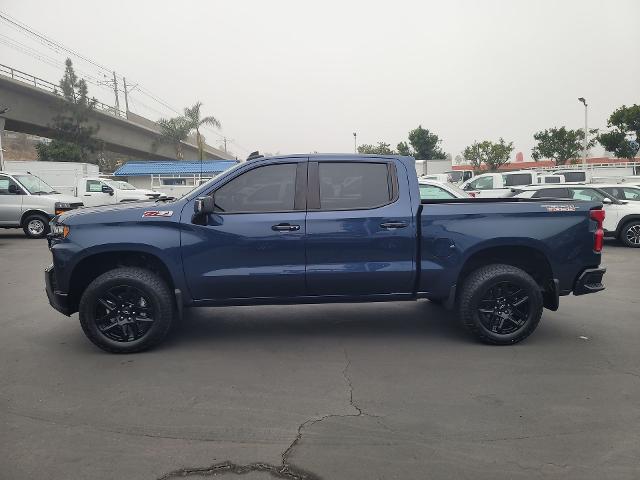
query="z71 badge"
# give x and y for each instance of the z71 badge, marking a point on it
(157, 213)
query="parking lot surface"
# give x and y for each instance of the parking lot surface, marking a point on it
(372, 391)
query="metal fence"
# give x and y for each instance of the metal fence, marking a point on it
(53, 88)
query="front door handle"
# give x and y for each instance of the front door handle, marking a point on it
(285, 227)
(393, 225)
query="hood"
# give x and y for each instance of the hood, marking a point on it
(113, 212)
(59, 197)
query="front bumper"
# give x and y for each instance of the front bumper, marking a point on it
(589, 281)
(57, 299)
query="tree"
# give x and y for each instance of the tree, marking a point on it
(73, 138)
(561, 144)
(424, 145)
(381, 148)
(174, 131)
(192, 115)
(624, 137)
(490, 154)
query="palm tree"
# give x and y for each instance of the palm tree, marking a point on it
(174, 131)
(192, 115)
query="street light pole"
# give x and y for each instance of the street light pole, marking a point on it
(586, 131)
(355, 142)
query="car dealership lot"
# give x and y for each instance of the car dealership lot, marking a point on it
(339, 391)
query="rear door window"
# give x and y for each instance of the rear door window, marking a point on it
(354, 185)
(586, 194)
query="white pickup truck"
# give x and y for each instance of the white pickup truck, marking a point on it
(28, 202)
(95, 191)
(496, 185)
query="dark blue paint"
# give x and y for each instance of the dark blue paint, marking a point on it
(335, 255)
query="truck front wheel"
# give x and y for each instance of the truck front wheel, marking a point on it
(126, 310)
(500, 304)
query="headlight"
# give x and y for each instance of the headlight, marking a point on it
(62, 207)
(59, 230)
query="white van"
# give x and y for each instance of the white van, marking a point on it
(496, 185)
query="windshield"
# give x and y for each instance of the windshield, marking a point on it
(120, 184)
(34, 185)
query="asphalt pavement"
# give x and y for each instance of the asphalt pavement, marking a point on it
(355, 391)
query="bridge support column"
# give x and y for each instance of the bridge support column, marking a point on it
(1, 151)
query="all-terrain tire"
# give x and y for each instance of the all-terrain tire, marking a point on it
(36, 225)
(150, 285)
(630, 234)
(479, 284)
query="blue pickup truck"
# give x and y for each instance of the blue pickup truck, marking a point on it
(319, 229)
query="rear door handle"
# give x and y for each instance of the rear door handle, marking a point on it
(285, 227)
(390, 225)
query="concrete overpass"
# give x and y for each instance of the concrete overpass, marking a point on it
(32, 105)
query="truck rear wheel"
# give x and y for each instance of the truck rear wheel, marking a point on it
(500, 304)
(126, 310)
(36, 225)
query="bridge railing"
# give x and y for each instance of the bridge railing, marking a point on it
(42, 84)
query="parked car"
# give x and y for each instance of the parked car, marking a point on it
(622, 218)
(27, 202)
(433, 190)
(320, 229)
(496, 185)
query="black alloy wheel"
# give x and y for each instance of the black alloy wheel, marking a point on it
(504, 308)
(123, 314)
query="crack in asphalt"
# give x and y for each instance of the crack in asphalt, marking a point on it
(285, 470)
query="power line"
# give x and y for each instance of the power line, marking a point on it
(57, 46)
(7, 18)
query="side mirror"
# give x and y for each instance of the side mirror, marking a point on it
(607, 201)
(107, 189)
(14, 190)
(203, 205)
(468, 187)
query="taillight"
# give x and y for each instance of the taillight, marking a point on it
(598, 238)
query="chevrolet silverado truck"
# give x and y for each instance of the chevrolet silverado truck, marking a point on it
(319, 229)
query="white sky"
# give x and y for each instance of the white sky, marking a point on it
(301, 76)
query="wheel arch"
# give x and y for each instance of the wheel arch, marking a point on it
(528, 258)
(624, 220)
(33, 211)
(93, 265)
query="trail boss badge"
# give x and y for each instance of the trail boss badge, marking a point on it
(157, 213)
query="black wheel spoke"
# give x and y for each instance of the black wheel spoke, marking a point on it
(504, 308)
(123, 313)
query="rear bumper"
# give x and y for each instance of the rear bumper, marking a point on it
(589, 281)
(57, 299)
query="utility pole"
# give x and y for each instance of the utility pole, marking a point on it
(2, 120)
(113, 83)
(127, 91)
(586, 131)
(355, 142)
(115, 90)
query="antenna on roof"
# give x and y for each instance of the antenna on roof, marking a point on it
(253, 155)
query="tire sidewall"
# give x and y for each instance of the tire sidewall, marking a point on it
(472, 317)
(32, 217)
(158, 330)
